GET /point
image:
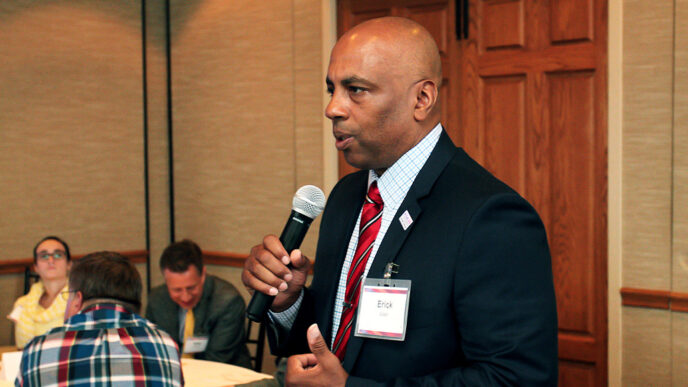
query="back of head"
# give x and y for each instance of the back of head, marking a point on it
(107, 274)
(179, 256)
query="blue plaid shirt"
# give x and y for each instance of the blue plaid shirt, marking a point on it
(105, 344)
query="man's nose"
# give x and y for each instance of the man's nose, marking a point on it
(335, 108)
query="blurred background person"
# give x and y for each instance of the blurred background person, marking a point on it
(41, 308)
(103, 342)
(203, 313)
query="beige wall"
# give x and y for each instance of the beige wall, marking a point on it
(71, 145)
(653, 180)
(247, 101)
(247, 117)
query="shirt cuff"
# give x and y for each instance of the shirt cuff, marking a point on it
(286, 318)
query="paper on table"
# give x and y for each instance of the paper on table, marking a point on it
(10, 365)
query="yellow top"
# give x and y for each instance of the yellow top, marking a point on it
(35, 320)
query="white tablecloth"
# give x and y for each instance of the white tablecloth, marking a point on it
(202, 373)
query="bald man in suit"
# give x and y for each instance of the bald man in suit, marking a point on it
(481, 309)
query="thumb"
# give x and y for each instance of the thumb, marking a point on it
(298, 260)
(316, 342)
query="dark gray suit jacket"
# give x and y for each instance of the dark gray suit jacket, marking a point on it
(482, 310)
(219, 314)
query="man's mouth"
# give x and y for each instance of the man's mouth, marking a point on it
(342, 141)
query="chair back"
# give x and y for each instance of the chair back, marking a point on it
(29, 278)
(256, 343)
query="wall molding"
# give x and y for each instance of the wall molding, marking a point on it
(18, 265)
(655, 299)
(224, 259)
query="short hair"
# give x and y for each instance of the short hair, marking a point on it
(106, 274)
(54, 238)
(178, 256)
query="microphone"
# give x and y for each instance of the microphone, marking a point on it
(308, 203)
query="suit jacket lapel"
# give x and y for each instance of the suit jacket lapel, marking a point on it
(396, 235)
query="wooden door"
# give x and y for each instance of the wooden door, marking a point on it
(525, 94)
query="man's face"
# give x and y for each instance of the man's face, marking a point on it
(185, 288)
(372, 104)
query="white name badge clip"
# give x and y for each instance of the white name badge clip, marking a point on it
(195, 344)
(383, 309)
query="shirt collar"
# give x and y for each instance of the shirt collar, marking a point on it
(397, 179)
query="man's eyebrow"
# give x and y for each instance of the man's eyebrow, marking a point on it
(350, 80)
(355, 79)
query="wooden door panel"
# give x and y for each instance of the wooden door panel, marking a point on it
(503, 133)
(572, 20)
(572, 160)
(502, 26)
(576, 374)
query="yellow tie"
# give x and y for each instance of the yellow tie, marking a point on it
(188, 330)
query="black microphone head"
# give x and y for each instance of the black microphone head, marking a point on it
(309, 200)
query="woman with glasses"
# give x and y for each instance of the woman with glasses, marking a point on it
(43, 307)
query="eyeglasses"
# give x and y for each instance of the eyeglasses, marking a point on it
(65, 294)
(57, 255)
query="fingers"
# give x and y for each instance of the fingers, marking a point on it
(301, 362)
(263, 271)
(320, 368)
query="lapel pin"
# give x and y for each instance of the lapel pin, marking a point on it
(405, 220)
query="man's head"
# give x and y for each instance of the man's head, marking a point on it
(384, 78)
(182, 266)
(104, 275)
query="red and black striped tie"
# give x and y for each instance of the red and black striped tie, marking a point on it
(371, 217)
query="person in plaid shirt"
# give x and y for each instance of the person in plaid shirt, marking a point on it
(103, 340)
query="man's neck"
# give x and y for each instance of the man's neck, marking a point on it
(89, 303)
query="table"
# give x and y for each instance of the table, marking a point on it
(203, 373)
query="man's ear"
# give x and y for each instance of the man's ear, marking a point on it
(74, 304)
(77, 301)
(427, 94)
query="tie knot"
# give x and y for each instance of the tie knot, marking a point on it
(373, 195)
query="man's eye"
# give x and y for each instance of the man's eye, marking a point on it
(330, 90)
(355, 89)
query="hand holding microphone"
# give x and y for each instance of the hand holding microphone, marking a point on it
(266, 270)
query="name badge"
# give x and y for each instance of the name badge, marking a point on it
(195, 344)
(383, 309)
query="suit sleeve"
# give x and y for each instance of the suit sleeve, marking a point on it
(504, 303)
(284, 342)
(226, 343)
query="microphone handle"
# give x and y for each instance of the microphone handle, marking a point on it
(292, 236)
